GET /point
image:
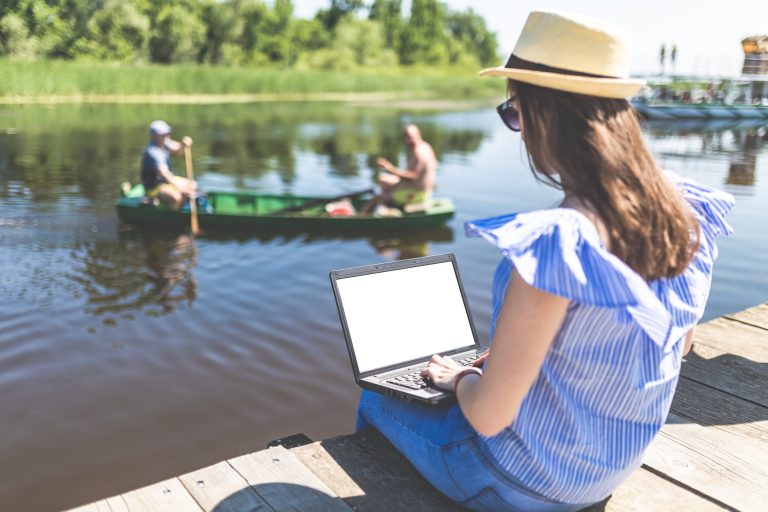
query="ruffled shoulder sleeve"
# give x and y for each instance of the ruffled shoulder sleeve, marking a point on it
(560, 252)
(709, 205)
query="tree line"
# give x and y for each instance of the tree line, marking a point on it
(344, 35)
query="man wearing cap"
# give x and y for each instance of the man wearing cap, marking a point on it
(156, 176)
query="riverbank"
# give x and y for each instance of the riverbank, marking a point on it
(49, 82)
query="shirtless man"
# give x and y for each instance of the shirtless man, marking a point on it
(156, 175)
(415, 183)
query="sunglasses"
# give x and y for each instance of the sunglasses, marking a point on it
(509, 115)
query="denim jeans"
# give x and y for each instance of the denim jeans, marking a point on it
(446, 450)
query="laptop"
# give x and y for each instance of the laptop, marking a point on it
(396, 316)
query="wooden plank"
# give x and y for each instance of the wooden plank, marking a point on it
(117, 504)
(727, 372)
(285, 483)
(328, 470)
(644, 491)
(99, 506)
(221, 487)
(731, 337)
(113, 504)
(757, 316)
(166, 496)
(713, 408)
(730, 469)
(371, 475)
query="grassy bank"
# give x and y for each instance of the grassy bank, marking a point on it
(78, 81)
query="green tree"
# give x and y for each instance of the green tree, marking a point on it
(469, 29)
(58, 25)
(118, 32)
(389, 14)
(309, 36)
(177, 35)
(356, 43)
(276, 26)
(424, 38)
(14, 36)
(244, 32)
(253, 15)
(223, 24)
(339, 9)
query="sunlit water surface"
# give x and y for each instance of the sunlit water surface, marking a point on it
(127, 357)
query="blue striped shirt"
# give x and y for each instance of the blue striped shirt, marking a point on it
(607, 382)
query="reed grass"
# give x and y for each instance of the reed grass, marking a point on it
(36, 79)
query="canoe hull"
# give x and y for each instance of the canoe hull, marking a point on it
(245, 216)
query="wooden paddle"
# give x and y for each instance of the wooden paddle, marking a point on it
(323, 200)
(192, 199)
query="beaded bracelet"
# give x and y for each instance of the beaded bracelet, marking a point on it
(463, 373)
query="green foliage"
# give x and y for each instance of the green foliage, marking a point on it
(118, 32)
(251, 33)
(425, 36)
(277, 24)
(14, 36)
(221, 23)
(177, 35)
(358, 43)
(389, 14)
(468, 28)
(338, 10)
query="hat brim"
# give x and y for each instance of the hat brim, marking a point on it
(617, 88)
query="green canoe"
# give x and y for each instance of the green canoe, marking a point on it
(238, 211)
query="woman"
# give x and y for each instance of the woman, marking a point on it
(594, 302)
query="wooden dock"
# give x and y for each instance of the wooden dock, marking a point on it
(711, 455)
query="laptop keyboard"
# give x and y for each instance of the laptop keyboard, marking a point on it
(414, 380)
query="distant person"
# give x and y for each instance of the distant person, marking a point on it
(156, 176)
(673, 57)
(414, 184)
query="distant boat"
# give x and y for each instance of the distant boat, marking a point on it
(703, 97)
(248, 211)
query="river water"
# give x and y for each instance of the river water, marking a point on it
(127, 357)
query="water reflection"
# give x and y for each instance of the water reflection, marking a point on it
(741, 141)
(741, 170)
(414, 245)
(88, 151)
(660, 127)
(149, 273)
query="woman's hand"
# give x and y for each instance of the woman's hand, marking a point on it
(442, 372)
(478, 363)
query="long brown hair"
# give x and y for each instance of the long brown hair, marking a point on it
(597, 148)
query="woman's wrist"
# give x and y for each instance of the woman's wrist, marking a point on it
(463, 373)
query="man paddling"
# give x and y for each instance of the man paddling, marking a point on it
(414, 184)
(156, 176)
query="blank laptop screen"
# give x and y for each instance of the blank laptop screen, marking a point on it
(400, 315)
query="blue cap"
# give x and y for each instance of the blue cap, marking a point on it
(159, 128)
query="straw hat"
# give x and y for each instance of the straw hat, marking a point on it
(573, 44)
